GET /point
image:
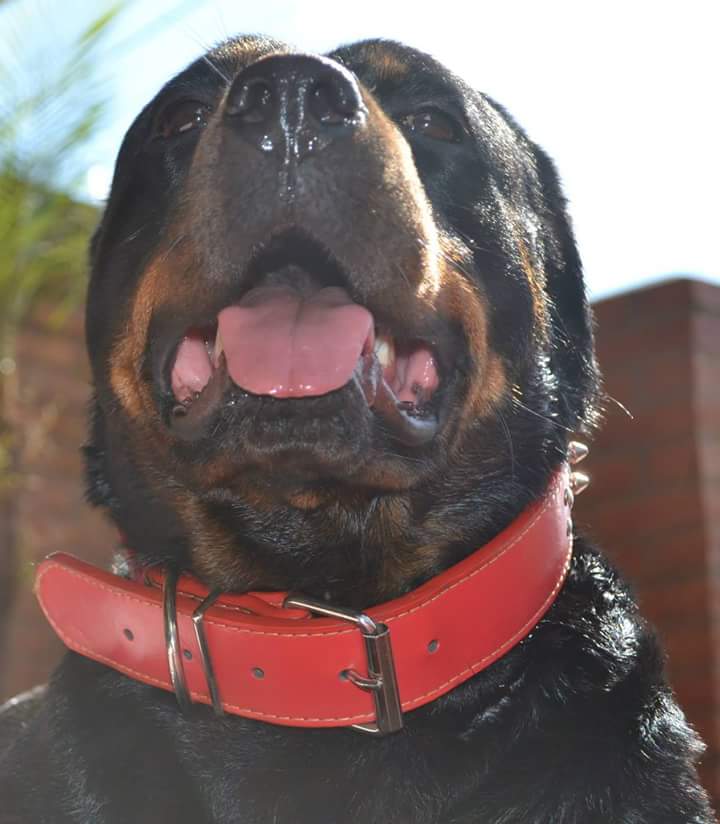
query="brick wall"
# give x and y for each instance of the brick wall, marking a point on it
(654, 503)
(47, 512)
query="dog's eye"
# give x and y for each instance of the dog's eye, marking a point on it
(434, 124)
(181, 117)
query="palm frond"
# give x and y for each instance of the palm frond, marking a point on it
(52, 105)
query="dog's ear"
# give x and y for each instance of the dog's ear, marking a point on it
(570, 317)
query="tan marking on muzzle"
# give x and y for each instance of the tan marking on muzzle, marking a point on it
(215, 553)
(488, 383)
(127, 354)
(413, 214)
(161, 284)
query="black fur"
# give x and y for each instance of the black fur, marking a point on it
(575, 725)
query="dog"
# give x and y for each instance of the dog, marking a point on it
(341, 348)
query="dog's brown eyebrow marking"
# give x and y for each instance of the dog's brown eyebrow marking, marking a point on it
(385, 64)
(248, 49)
(230, 58)
(389, 66)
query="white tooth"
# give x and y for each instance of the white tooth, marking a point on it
(218, 347)
(384, 351)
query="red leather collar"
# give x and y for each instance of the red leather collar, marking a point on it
(284, 666)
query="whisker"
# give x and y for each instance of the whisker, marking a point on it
(216, 68)
(542, 417)
(179, 239)
(508, 438)
(620, 405)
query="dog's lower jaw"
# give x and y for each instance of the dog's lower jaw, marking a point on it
(378, 551)
(353, 544)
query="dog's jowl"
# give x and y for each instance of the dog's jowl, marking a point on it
(343, 368)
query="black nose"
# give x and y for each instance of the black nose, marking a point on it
(294, 105)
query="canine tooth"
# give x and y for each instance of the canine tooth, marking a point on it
(385, 351)
(218, 348)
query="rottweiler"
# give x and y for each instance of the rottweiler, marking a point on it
(341, 356)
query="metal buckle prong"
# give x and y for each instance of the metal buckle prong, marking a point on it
(172, 642)
(381, 680)
(205, 658)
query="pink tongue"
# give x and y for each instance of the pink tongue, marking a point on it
(279, 343)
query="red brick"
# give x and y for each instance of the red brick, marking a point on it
(668, 298)
(52, 349)
(706, 297)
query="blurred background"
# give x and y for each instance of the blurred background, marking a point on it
(620, 94)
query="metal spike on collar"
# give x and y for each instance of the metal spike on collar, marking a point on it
(577, 452)
(579, 482)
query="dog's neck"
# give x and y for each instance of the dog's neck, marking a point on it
(514, 579)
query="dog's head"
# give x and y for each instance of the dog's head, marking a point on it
(336, 321)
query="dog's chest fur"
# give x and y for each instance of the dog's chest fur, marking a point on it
(532, 740)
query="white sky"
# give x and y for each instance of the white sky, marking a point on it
(624, 96)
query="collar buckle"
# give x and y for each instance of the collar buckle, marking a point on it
(381, 679)
(172, 644)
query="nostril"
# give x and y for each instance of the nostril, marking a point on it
(293, 106)
(252, 101)
(332, 103)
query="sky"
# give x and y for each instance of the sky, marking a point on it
(623, 95)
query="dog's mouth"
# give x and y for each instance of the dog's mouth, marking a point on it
(293, 339)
